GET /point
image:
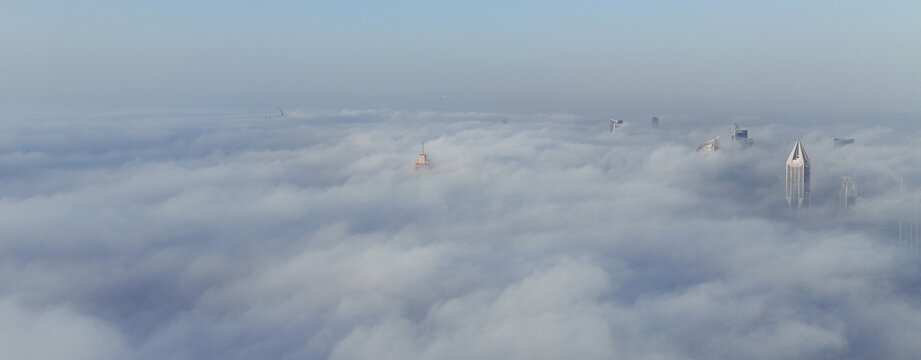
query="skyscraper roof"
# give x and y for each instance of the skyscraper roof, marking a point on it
(798, 155)
(710, 145)
(422, 160)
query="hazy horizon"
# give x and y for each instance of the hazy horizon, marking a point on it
(778, 55)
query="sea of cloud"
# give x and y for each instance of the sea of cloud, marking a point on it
(190, 235)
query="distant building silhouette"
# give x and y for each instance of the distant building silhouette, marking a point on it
(910, 240)
(847, 194)
(655, 122)
(797, 177)
(843, 142)
(281, 113)
(422, 160)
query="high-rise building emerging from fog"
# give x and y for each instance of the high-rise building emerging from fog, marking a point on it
(422, 160)
(709, 145)
(740, 135)
(847, 195)
(910, 240)
(655, 122)
(797, 178)
(616, 124)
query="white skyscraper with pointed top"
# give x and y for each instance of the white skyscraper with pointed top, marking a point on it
(797, 178)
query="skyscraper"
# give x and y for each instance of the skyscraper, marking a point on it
(797, 178)
(710, 145)
(655, 122)
(910, 240)
(616, 124)
(847, 195)
(422, 160)
(740, 135)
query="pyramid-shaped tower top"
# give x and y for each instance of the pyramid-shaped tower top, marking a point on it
(798, 155)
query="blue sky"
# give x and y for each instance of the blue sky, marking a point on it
(822, 55)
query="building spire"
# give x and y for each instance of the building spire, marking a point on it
(798, 155)
(797, 177)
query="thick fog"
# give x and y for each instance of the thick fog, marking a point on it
(190, 235)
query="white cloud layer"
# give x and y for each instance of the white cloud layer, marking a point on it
(195, 235)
